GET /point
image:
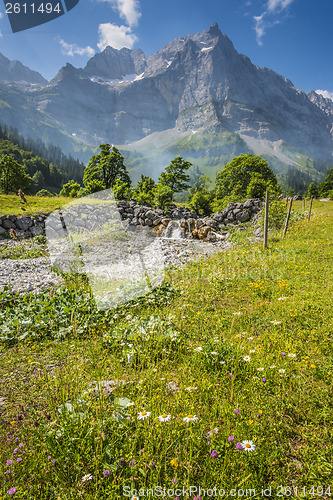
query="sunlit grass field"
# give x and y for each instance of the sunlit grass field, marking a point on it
(221, 378)
(11, 204)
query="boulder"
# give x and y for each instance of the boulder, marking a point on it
(8, 224)
(203, 232)
(244, 216)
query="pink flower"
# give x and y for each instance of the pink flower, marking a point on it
(239, 446)
(236, 411)
(231, 439)
(214, 454)
(12, 491)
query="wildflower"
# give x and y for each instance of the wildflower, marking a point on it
(174, 463)
(247, 358)
(275, 322)
(8, 471)
(260, 369)
(122, 462)
(174, 481)
(19, 459)
(282, 370)
(250, 338)
(11, 491)
(231, 439)
(144, 414)
(222, 362)
(283, 353)
(164, 418)
(128, 317)
(264, 380)
(272, 366)
(236, 411)
(291, 355)
(239, 446)
(248, 445)
(153, 464)
(237, 314)
(9, 462)
(198, 349)
(141, 452)
(16, 440)
(190, 388)
(131, 404)
(252, 351)
(214, 353)
(312, 366)
(132, 463)
(190, 418)
(214, 454)
(86, 477)
(282, 298)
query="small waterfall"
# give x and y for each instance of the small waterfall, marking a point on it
(190, 235)
(173, 231)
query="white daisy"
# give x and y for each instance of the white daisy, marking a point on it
(164, 418)
(248, 445)
(128, 317)
(256, 378)
(214, 353)
(260, 369)
(237, 314)
(273, 366)
(247, 358)
(282, 298)
(131, 404)
(198, 349)
(282, 370)
(275, 322)
(291, 355)
(144, 414)
(190, 418)
(252, 351)
(222, 362)
(250, 338)
(190, 388)
(87, 477)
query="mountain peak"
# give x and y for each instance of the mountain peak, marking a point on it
(14, 71)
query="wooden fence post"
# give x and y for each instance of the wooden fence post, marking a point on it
(266, 220)
(287, 218)
(303, 204)
(310, 208)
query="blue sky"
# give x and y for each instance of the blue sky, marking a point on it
(293, 37)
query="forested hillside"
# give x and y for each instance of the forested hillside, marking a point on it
(48, 167)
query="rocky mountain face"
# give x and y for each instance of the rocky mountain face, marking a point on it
(194, 83)
(14, 71)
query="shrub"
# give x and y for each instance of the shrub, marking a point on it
(44, 193)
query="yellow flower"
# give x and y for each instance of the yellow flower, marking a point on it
(260, 411)
(13, 422)
(250, 421)
(174, 463)
(313, 366)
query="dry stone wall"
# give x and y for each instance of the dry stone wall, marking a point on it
(134, 214)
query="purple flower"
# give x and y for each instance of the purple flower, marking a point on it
(122, 462)
(12, 491)
(16, 440)
(236, 411)
(197, 498)
(54, 462)
(239, 446)
(264, 379)
(132, 463)
(49, 457)
(214, 454)
(15, 451)
(107, 473)
(231, 439)
(9, 462)
(8, 471)
(283, 353)
(153, 464)
(141, 452)
(258, 415)
(19, 459)
(21, 445)
(174, 481)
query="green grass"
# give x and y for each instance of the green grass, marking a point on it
(11, 204)
(197, 332)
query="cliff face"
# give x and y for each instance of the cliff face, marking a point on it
(196, 82)
(14, 71)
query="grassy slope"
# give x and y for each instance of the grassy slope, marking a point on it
(233, 298)
(11, 204)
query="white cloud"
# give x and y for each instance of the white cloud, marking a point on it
(266, 20)
(115, 36)
(279, 5)
(71, 49)
(129, 10)
(325, 93)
